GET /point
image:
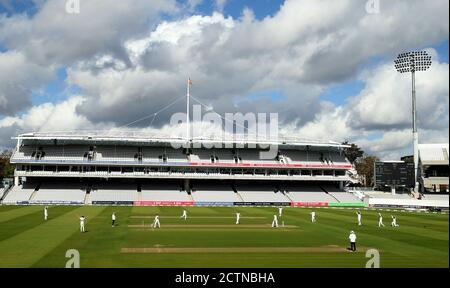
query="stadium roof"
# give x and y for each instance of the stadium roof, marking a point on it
(434, 154)
(142, 138)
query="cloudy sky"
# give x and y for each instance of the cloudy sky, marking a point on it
(325, 66)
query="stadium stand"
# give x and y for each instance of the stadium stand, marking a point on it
(434, 163)
(163, 192)
(143, 170)
(2, 191)
(435, 197)
(307, 193)
(345, 197)
(214, 193)
(386, 195)
(19, 194)
(260, 193)
(339, 195)
(114, 193)
(254, 157)
(59, 193)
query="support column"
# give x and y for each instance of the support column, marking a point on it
(187, 185)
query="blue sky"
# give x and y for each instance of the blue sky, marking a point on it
(10, 7)
(247, 60)
(234, 8)
(56, 90)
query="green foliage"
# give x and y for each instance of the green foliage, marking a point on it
(365, 167)
(353, 153)
(6, 169)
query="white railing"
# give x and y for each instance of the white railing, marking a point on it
(200, 175)
(123, 135)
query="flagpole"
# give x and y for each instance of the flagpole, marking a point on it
(187, 110)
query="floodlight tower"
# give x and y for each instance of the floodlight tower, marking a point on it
(413, 62)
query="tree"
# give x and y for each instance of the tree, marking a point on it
(365, 167)
(6, 169)
(353, 153)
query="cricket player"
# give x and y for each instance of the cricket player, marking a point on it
(280, 211)
(82, 221)
(380, 220)
(156, 222)
(352, 239)
(394, 221)
(275, 221)
(184, 216)
(45, 213)
(238, 217)
(113, 218)
(358, 213)
(313, 216)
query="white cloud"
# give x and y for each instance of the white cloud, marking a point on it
(386, 100)
(18, 78)
(55, 36)
(127, 70)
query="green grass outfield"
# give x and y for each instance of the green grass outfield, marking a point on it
(209, 238)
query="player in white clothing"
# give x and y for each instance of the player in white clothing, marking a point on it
(359, 217)
(313, 216)
(184, 215)
(275, 221)
(238, 217)
(380, 220)
(82, 221)
(352, 239)
(156, 222)
(280, 211)
(45, 213)
(394, 221)
(113, 219)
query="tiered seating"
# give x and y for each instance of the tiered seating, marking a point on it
(435, 197)
(385, 195)
(345, 197)
(163, 192)
(214, 193)
(114, 193)
(59, 193)
(152, 154)
(255, 193)
(19, 194)
(219, 155)
(254, 157)
(2, 191)
(340, 195)
(63, 153)
(315, 157)
(302, 156)
(117, 154)
(307, 193)
(103, 153)
(337, 158)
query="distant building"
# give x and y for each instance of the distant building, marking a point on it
(434, 164)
